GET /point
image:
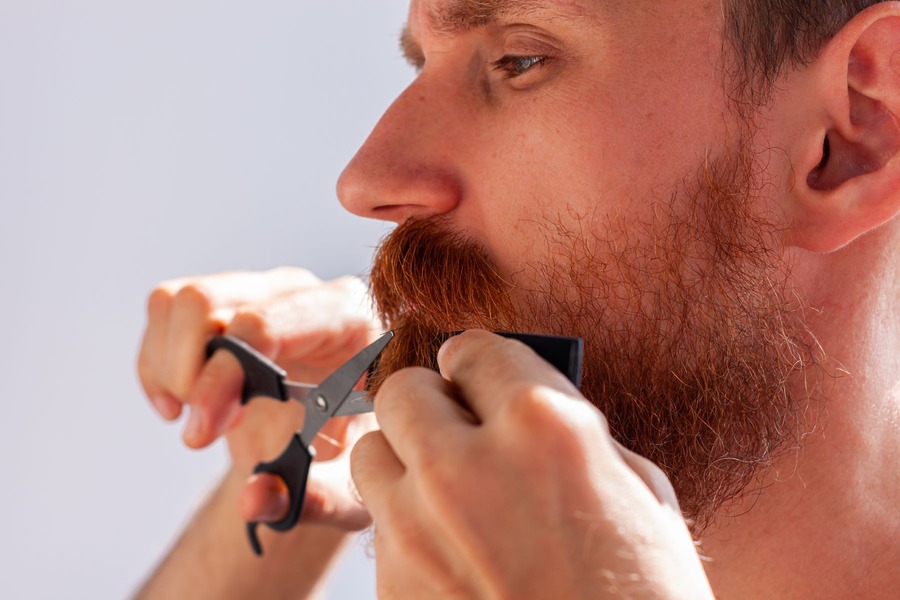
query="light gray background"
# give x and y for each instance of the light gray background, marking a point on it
(141, 141)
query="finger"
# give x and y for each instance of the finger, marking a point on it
(152, 352)
(264, 498)
(418, 414)
(490, 370)
(166, 406)
(375, 470)
(214, 399)
(328, 323)
(234, 288)
(652, 476)
(331, 499)
(201, 307)
(191, 324)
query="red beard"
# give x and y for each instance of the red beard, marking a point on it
(690, 336)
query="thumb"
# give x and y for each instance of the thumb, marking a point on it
(329, 500)
(652, 476)
(264, 498)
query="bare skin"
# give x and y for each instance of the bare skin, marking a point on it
(497, 147)
(309, 327)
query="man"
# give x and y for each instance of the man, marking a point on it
(705, 192)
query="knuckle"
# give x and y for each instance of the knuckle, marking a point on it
(159, 300)
(351, 285)
(354, 300)
(214, 372)
(296, 274)
(544, 413)
(365, 442)
(362, 450)
(194, 297)
(486, 354)
(251, 324)
(463, 358)
(531, 407)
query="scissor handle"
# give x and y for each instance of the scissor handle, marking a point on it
(293, 468)
(262, 377)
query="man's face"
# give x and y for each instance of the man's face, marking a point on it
(558, 109)
(574, 167)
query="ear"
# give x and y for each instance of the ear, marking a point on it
(848, 169)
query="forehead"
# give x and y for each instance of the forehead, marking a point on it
(456, 15)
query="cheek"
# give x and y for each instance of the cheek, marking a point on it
(602, 148)
(529, 180)
(557, 168)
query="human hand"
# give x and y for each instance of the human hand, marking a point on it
(496, 479)
(306, 325)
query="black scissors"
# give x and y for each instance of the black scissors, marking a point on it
(335, 397)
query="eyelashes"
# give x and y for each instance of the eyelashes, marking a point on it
(512, 66)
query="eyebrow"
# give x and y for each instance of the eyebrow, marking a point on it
(457, 16)
(454, 16)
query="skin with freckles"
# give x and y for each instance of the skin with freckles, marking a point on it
(590, 168)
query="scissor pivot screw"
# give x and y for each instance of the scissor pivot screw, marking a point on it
(321, 402)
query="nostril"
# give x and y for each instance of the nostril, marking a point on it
(826, 154)
(399, 213)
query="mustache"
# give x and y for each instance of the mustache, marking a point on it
(427, 280)
(428, 272)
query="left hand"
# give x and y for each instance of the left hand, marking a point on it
(496, 479)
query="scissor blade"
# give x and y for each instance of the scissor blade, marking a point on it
(328, 398)
(357, 403)
(337, 386)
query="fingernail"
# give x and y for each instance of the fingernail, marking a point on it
(275, 502)
(194, 428)
(165, 406)
(159, 403)
(273, 512)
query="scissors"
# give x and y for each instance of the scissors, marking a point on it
(336, 397)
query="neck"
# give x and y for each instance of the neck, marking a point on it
(825, 522)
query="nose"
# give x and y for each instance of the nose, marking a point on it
(407, 166)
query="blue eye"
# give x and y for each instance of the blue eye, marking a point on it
(514, 66)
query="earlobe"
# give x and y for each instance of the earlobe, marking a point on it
(851, 182)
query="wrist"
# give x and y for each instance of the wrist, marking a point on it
(213, 558)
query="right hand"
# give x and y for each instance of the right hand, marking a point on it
(309, 327)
